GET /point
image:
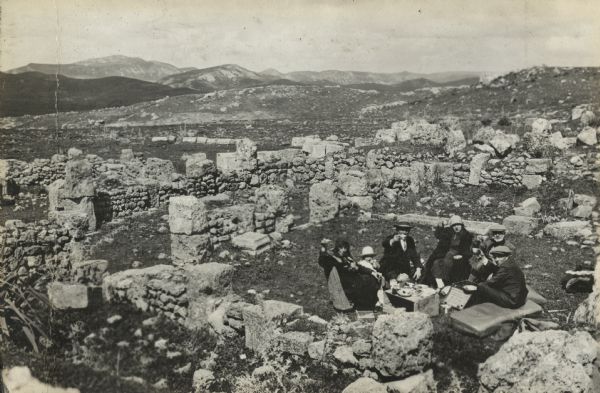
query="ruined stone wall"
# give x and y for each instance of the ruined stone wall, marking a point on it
(39, 172)
(34, 251)
(185, 294)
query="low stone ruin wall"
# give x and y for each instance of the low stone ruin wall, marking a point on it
(35, 251)
(189, 294)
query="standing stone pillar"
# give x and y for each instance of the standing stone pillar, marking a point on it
(188, 224)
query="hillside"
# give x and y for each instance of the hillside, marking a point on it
(356, 77)
(129, 67)
(34, 93)
(227, 76)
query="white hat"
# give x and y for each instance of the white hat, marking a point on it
(455, 220)
(367, 252)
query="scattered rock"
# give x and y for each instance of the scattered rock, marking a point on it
(549, 361)
(420, 383)
(202, 380)
(588, 136)
(365, 385)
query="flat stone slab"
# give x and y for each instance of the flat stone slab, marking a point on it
(566, 229)
(484, 319)
(68, 296)
(522, 225)
(275, 309)
(251, 241)
(476, 227)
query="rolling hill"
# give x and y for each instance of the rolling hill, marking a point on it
(129, 67)
(223, 77)
(33, 93)
(359, 77)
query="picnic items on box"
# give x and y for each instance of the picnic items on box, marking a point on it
(414, 297)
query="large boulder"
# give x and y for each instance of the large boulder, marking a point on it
(521, 225)
(531, 182)
(386, 136)
(365, 385)
(552, 361)
(323, 201)
(587, 117)
(353, 183)
(455, 142)
(402, 344)
(536, 166)
(529, 207)
(187, 215)
(484, 135)
(588, 136)
(502, 144)
(420, 132)
(541, 126)
(566, 229)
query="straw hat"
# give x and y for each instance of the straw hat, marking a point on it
(455, 220)
(367, 252)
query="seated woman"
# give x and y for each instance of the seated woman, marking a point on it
(349, 286)
(506, 287)
(446, 264)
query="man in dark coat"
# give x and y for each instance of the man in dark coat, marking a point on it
(506, 287)
(400, 254)
(452, 251)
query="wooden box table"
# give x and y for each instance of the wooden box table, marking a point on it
(425, 300)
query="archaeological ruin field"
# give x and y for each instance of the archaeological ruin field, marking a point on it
(171, 245)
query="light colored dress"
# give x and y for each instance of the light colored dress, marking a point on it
(336, 292)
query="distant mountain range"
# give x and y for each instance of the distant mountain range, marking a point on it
(223, 76)
(33, 93)
(129, 67)
(122, 80)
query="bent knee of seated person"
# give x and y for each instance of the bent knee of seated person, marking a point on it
(496, 296)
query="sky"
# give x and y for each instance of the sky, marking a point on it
(361, 35)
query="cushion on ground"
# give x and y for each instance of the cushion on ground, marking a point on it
(535, 297)
(484, 319)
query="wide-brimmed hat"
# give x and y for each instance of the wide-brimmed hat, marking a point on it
(501, 251)
(496, 228)
(455, 220)
(403, 225)
(367, 252)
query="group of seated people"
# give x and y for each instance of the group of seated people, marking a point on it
(458, 257)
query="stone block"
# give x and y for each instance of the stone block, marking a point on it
(299, 141)
(531, 182)
(79, 180)
(276, 310)
(188, 248)
(584, 200)
(323, 202)
(362, 202)
(316, 350)
(209, 279)
(160, 139)
(189, 139)
(455, 142)
(271, 198)
(228, 162)
(259, 332)
(68, 296)
(252, 243)
(187, 215)
(477, 164)
(583, 211)
(295, 343)
(197, 167)
(202, 380)
(126, 155)
(538, 166)
(365, 385)
(420, 383)
(55, 194)
(91, 271)
(158, 169)
(522, 225)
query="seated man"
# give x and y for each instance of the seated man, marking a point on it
(506, 287)
(446, 263)
(496, 237)
(400, 255)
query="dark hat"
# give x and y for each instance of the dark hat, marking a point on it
(501, 251)
(403, 225)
